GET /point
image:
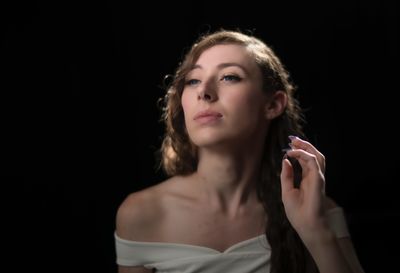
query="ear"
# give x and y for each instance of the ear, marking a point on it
(275, 105)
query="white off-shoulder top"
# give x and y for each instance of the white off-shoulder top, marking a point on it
(249, 256)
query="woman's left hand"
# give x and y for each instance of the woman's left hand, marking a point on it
(304, 206)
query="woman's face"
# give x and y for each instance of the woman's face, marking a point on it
(222, 100)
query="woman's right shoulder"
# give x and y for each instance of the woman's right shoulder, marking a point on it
(140, 215)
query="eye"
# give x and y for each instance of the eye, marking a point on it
(231, 78)
(192, 82)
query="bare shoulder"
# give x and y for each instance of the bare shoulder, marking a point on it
(141, 213)
(135, 212)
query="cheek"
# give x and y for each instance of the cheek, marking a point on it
(245, 104)
(186, 103)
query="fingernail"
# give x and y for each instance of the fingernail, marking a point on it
(290, 145)
(292, 137)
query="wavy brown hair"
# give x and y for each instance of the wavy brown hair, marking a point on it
(179, 154)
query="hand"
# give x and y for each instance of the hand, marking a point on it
(304, 206)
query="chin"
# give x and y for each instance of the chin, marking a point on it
(206, 140)
(211, 140)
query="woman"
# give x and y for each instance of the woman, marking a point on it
(232, 204)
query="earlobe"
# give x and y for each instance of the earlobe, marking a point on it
(276, 105)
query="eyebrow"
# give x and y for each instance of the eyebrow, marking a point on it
(223, 65)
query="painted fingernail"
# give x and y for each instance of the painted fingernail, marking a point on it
(292, 137)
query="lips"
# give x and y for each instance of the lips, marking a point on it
(208, 114)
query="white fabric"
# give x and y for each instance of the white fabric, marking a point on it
(249, 256)
(337, 222)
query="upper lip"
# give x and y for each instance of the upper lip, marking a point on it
(207, 113)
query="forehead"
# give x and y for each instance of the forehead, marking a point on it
(229, 53)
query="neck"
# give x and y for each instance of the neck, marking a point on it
(228, 179)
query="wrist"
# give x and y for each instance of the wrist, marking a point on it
(319, 239)
(324, 230)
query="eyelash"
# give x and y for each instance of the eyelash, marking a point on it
(233, 78)
(191, 82)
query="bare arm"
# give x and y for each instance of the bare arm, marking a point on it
(347, 248)
(332, 254)
(345, 244)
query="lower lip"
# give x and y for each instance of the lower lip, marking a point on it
(208, 119)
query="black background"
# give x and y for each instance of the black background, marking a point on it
(80, 126)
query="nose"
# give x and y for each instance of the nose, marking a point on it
(207, 93)
(204, 96)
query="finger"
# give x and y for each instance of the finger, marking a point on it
(298, 143)
(308, 161)
(286, 176)
(310, 168)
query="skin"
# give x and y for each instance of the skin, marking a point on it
(229, 83)
(217, 206)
